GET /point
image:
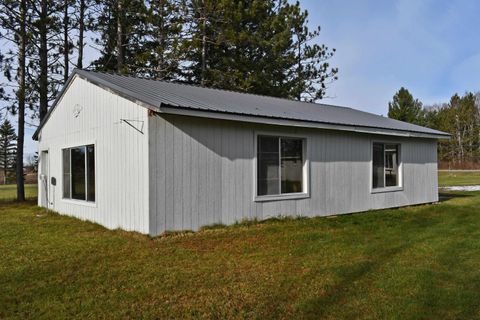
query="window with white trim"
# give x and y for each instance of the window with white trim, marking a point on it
(386, 165)
(79, 173)
(280, 165)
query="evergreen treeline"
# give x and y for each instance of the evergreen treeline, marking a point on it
(256, 46)
(460, 117)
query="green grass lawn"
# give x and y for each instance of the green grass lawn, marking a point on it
(458, 178)
(9, 192)
(411, 263)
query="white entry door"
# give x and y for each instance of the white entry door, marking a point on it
(44, 179)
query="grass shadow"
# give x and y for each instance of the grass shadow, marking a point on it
(14, 202)
(445, 196)
(349, 274)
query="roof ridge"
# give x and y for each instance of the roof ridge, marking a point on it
(216, 89)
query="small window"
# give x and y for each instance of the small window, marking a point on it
(280, 163)
(79, 178)
(66, 173)
(386, 165)
(79, 173)
(91, 173)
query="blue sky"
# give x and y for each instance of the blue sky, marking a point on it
(430, 47)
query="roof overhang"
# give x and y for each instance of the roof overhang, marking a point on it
(166, 109)
(176, 110)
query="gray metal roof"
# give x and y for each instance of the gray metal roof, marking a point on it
(160, 94)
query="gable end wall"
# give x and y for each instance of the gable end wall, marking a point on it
(121, 155)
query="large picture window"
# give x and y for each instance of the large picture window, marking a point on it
(280, 163)
(386, 164)
(79, 173)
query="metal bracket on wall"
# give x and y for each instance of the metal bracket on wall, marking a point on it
(139, 123)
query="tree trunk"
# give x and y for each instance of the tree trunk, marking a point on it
(204, 47)
(299, 66)
(120, 31)
(81, 27)
(21, 102)
(43, 52)
(161, 41)
(66, 46)
(5, 154)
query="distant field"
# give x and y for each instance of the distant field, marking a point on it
(458, 178)
(9, 192)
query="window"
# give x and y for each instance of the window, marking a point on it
(280, 164)
(386, 165)
(79, 173)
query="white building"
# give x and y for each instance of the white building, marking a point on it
(152, 156)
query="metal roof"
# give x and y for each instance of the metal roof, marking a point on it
(159, 95)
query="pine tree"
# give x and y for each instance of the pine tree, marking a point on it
(82, 7)
(404, 107)
(15, 18)
(255, 46)
(66, 48)
(204, 21)
(8, 149)
(161, 56)
(47, 45)
(120, 25)
(312, 72)
(75, 18)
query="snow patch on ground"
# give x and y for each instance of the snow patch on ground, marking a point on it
(461, 188)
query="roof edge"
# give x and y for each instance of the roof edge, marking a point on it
(170, 109)
(167, 109)
(57, 99)
(88, 76)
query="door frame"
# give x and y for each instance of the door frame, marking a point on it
(44, 178)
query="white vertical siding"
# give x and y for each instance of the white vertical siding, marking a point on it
(121, 155)
(201, 173)
(185, 172)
